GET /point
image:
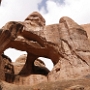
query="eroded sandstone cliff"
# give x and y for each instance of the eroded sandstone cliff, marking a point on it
(65, 43)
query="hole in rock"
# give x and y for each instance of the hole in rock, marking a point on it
(48, 62)
(13, 54)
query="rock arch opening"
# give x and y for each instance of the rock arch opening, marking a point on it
(16, 35)
(48, 62)
(13, 54)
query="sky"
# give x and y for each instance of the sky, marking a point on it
(52, 11)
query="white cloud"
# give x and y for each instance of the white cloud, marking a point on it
(78, 10)
(16, 9)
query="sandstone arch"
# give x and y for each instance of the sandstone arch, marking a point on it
(24, 42)
(26, 37)
(66, 44)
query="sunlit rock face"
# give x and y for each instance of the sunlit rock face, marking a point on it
(65, 43)
(75, 49)
(35, 19)
(87, 29)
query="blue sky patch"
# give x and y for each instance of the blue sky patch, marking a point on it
(59, 1)
(43, 4)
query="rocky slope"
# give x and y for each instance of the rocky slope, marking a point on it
(66, 44)
(80, 84)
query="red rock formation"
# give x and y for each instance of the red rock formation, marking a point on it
(35, 19)
(75, 49)
(66, 44)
